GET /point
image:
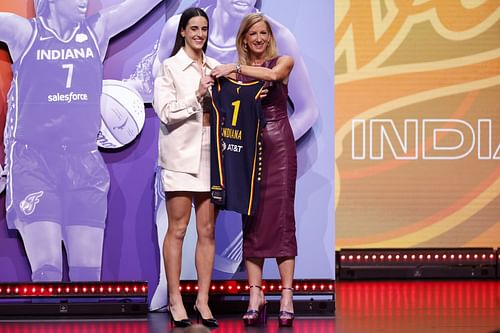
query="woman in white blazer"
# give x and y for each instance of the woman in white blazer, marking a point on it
(180, 91)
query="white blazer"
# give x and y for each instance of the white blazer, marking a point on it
(180, 113)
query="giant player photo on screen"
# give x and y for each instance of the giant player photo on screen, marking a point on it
(57, 182)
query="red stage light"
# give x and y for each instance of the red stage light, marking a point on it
(270, 286)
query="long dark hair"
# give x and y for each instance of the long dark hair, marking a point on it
(183, 22)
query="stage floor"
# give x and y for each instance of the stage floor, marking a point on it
(362, 307)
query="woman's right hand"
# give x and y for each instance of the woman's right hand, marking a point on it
(206, 82)
(223, 70)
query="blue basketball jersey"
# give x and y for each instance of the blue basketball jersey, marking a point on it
(55, 93)
(236, 148)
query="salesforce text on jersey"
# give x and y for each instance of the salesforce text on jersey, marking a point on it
(68, 98)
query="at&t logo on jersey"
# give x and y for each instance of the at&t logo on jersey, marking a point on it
(29, 203)
(233, 147)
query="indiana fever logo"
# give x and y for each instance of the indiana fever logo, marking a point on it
(29, 203)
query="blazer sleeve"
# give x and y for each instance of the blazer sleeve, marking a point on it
(170, 105)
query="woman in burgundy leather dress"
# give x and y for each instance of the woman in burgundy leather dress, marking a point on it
(270, 233)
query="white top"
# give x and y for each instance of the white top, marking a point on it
(180, 113)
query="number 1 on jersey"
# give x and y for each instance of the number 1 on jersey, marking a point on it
(236, 105)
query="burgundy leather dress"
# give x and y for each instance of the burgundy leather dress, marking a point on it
(270, 233)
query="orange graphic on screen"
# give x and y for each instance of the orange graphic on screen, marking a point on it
(417, 121)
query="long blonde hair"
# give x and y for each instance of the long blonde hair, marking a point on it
(246, 24)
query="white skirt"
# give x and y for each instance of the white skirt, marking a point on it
(181, 181)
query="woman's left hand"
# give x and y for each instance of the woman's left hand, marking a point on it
(223, 70)
(263, 93)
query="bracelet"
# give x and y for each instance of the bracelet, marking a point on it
(238, 68)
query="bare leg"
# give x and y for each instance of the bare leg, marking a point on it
(254, 270)
(46, 264)
(84, 246)
(178, 212)
(205, 250)
(286, 267)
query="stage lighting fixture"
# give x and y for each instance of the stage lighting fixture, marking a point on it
(73, 298)
(420, 263)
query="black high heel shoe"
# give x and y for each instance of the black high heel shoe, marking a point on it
(253, 317)
(285, 318)
(177, 323)
(210, 322)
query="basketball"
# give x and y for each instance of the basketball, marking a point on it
(122, 114)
